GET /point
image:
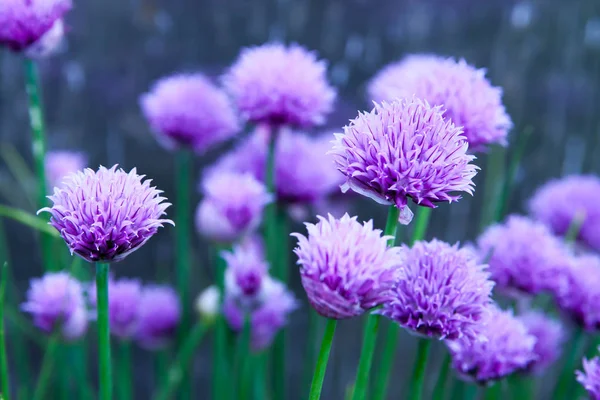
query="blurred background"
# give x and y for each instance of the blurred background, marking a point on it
(545, 54)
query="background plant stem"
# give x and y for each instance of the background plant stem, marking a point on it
(46, 369)
(5, 384)
(322, 360)
(418, 376)
(567, 376)
(125, 377)
(104, 363)
(439, 393)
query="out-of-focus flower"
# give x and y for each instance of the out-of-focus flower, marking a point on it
(346, 267)
(158, 316)
(582, 295)
(560, 201)
(403, 150)
(466, 94)
(524, 256)
(245, 275)
(124, 297)
(279, 85)
(56, 302)
(232, 206)
(187, 110)
(505, 347)
(267, 318)
(590, 377)
(105, 215)
(60, 164)
(442, 292)
(32, 26)
(208, 304)
(549, 335)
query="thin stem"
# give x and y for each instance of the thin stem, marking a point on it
(182, 361)
(38, 143)
(418, 377)
(567, 375)
(575, 227)
(260, 377)
(220, 359)
(46, 369)
(311, 347)
(280, 343)
(125, 387)
(361, 384)
(495, 391)
(439, 393)
(492, 187)
(3, 357)
(104, 366)
(242, 362)
(321, 367)
(421, 224)
(391, 224)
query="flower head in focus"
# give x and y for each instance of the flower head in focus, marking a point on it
(104, 215)
(442, 292)
(524, 256)
(60, 164)
(345, 266)
(245, 275)
(124, 297)
(560, 201)
(280, 85)
(468, 97)
(590, 377)
(505, 347)
(232, 206)
(158, 316)
(405, 149)
(57, 298)
(189, 111)
(32, 26)
(550, 337)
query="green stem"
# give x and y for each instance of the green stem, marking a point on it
(78, 353)
(29, 220)
(439, 393)
(220, 359)
(361, 384)
(567, 375)
(260, 377)
(418, 376)
(46, 369)
(3, 356)
(321, 367)
(391, 224)
(104, 366)
(421, 224)
(495, 392)
(575, 227)
(311, 347)
(492, 186)
(38, 143)
(181, 364)
(125, 377)
(242, 362)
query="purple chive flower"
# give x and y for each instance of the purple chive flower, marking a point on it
(158, 316)
(524, 256)
(559, 201)
(590, 377)
(232, 206)
(505, 348)
(189, 111)
(466, 94)
(124, 298)
(442, 292)
(402, 150)
(581, 297)
(549, 335)
(60, 164)
(345, 266)
(32, 26)
(267, 318)
(105, 215)
(279, 85)
(57, 298)
(245, 274)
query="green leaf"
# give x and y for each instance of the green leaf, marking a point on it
(28, 219)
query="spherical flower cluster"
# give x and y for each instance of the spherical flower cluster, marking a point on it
(549, 335)
(158, 316)
(245, 274)
(581, 297)
(189, 111)
(232, 206)
(560, 201)
(105, 215)
(346, 267)
(124, 297)
(524, 256)
(402, 150)
(466, 94)
(57, 298)
(442, 292)
(279, 85)
(32, 26)
(60, 164)
(505, 347)
(590, 377)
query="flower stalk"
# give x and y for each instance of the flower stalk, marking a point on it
(104, 363)
(418, 376)
(321, 366)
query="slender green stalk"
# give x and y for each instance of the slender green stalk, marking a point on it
(46, 370)
(421, 224)
(418, 376)
(439, 393)
(78, 353)
(221, 371)
(567, 376)
(492, 187)
(242, 363)
(260, 377)
(38, 144)
(5, 385)
(575, 227)
(361, 384)
(280, 343)
(391, 225)
(496, 392)
(104, 366)
(125, 388)
(29, 220)
(161, 367)
(323, 358)
(311, 347)
(182, 362)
